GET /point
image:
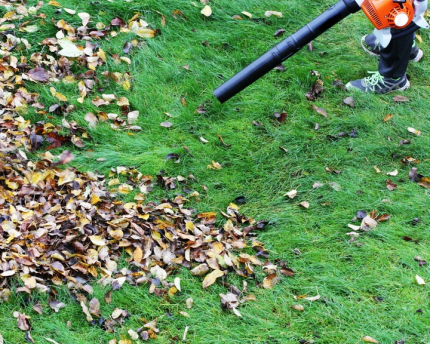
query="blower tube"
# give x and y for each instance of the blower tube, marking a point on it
(285, 49)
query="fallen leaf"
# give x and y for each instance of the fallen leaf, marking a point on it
(166, 124)
(394, 173)
(414, 131)
(206, 11)
(38, 74)
(305, 204)
(211, 278)
(349, 101)
(369, 339)
(190, 302)
(420, 280)
(273, 13)
(399, 98)
(270, 281)
(215, 166)
(69, 49)
(291, 194)
(388, 117)
(320, 110)
(299, 308)
(390, 185)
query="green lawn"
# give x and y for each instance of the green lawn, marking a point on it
(367, 287)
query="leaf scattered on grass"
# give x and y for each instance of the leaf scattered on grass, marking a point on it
(400, 99)
(206, 11)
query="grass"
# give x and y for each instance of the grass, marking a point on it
(367, 290)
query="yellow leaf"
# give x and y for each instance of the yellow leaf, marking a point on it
(270, 281)
(122, 101)
(369, 339)
(146, 33)
(102, 54)
(54, 3)
(273, 13)
(206, 11)
(249, 15)
(138, 255)
(97, 240)
(418, 37)
(125, 59)
(69, 48)
(95, 199)
(60, 97)
(211, 278)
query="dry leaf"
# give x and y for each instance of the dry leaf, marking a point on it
(249, 15)
(388, 117)
(273, 13)
(369, 339)
(270, 281)
(190, 302)
(420, 280)
(414, 131)
(394, 173)
(377, 169)
(206, 11)
(291, 194)
(299, 308)
(177, 283)
(211, 278)
(305, 204)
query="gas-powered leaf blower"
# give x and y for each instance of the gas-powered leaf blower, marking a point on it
(384, 15)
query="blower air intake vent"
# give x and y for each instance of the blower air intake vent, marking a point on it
(394, 13)
(372, 13)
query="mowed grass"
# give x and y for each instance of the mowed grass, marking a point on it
(368, 289)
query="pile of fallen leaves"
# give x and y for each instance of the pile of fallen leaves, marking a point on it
(64, 227)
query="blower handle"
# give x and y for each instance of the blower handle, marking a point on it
(286, 49)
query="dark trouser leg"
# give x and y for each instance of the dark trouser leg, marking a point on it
(394, 58)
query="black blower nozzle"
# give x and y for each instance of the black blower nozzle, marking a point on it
(285, 49)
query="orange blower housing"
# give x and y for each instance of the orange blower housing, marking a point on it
(389, 13)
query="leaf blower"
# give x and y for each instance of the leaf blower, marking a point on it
(407, 15)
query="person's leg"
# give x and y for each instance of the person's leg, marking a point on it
(394, 59)
(391, 75)
(371, 46)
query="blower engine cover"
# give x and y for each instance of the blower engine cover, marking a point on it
(388, 13)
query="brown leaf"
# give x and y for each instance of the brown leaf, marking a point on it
(108, 297)
(94, 306)
(320, 110)
(38, 74)
(390, 185)
(279, 33)
(388, 117)
(22, 321)
(270, 281)
(56, 305)
(349, 101)
(117, 21)
(399, 98)
(166, 124)
(282, 117)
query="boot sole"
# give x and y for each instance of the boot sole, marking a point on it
(370, 52)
